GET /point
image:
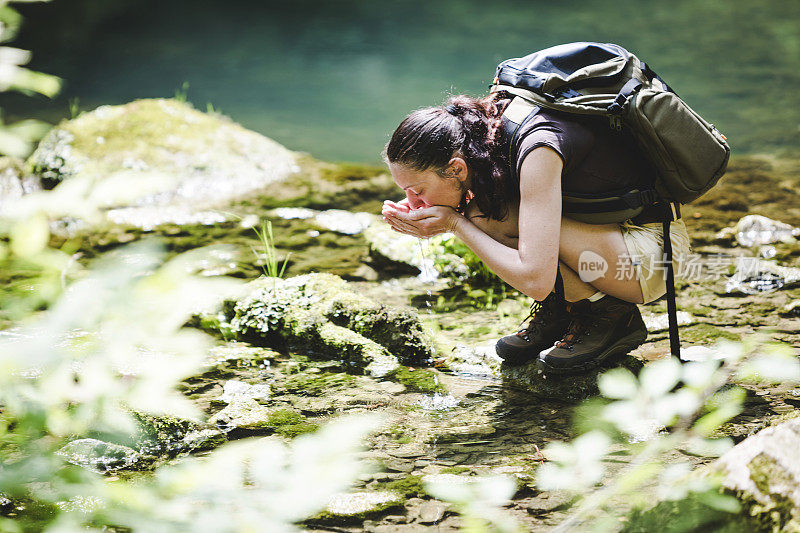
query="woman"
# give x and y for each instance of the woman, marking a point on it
(460, 175)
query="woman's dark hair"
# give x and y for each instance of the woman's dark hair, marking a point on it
(466, 127)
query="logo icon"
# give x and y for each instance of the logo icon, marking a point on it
(591, 266)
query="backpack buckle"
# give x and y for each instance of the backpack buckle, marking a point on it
(648, 197)
(616, 107)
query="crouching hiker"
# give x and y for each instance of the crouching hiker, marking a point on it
(564, 181)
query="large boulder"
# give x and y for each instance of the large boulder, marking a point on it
(321, 314)
(200, 158)
(763, 471)
(160, 161)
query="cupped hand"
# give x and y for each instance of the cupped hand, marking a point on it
(424, 223)
(402, 206)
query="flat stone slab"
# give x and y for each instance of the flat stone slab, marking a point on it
(566, 387)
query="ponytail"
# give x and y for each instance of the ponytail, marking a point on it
(465, 127)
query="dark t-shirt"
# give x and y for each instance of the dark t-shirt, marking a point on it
(596, 158)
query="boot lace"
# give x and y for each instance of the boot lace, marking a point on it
(535, 320)
(579, 325)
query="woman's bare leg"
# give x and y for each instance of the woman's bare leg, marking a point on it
(590, 241)
(604, 240)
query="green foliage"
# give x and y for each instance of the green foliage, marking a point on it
(270, 257)
(479, 287)
(18, 139)
(74, 107)
(91, 346)
(693, 399)
(182, 93)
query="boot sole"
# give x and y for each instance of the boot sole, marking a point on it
(619, 348)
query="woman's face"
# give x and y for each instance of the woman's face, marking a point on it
(426, 188)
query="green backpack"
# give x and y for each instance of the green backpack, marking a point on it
(689, 154)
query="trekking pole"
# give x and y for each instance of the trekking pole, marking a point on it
(672, 309)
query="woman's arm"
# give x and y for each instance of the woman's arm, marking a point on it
(531, 268)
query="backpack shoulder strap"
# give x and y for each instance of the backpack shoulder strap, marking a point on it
(516, 113)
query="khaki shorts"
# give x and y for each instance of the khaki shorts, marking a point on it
(645, 245)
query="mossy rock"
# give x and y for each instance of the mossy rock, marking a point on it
(290, 423)
(691, 513)
(320, 314)
(244, 417)
(322, 185)
(353, 508)
(169, 158)
(168, 436)
(105, 457)
(762, 472)
(216, 158)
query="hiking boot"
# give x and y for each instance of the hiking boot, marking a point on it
(599, 331)
(548, 322)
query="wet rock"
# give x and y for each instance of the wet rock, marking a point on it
(388, 247)
(204, 439)
(14, 181)
(321, 314)
(161, 154)
(236, 390)
(754, 275)
(163, 435)
(237, 355)
(571, 387)
(791, 309)
(475, 360)
(344, 222)
(101, 456)
(763, 471)
(757, 230)
(337, 220)
(547, 502)
(431, 512)
(360, 505)
(407, 452)
(398, 465)
(245, 416)
(242, 413)
(660, 322)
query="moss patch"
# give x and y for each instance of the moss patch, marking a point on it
(707, 333)
(417, 380)
(290, 423)
(316, 384)
(456, 470)
(409, 487)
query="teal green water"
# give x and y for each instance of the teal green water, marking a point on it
(334, 78)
